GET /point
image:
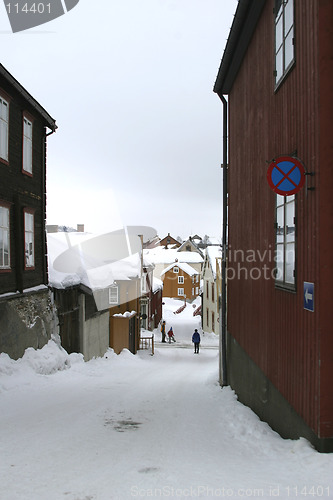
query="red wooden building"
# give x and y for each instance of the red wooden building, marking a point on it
(275, 81)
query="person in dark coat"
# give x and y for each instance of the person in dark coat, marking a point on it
(196, 341)
(163, 331)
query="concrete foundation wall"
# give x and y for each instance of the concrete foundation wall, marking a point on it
(26, 321)
(97, 336)
(94, 333)
(255, 390)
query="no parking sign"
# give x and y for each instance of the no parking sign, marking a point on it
(286, 175)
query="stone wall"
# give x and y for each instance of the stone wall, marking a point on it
(26, 320)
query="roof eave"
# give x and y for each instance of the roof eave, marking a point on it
(246, 18)
(50, 122)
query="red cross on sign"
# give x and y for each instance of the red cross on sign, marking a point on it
(286, 175)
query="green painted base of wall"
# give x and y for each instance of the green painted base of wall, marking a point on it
(255, 390)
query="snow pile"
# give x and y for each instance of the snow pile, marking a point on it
(126, 314)
(50, 359)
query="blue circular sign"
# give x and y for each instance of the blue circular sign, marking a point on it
(286, 175)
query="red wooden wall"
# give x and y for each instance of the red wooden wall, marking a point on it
(292, 346)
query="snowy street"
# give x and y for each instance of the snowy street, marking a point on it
(142, 426)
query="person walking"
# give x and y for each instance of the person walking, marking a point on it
(163, 331)
(171, 335)
(196, 341)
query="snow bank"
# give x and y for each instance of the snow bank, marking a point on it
(50, 359)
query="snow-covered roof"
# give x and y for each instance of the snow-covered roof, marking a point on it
(213, 241)
(157, 284)
(160, 255)
(213, 252)
(193, 244)
(183, 266)
(78, 258)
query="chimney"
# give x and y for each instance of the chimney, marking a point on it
(52, 228)
(80, 228)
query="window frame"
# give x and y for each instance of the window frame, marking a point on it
(181, 280)
(280, 10)
(287, 202)
(176, 269)
(27, 265)
(181, 292)
(4, 98)
(3, 267)
(112, 301)
(144, 282)
(27, 142)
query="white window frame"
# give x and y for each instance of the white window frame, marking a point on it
(4, 237)
(181, 280)
(27, 145)
(113, 295)
(4, 128)
(180, 292)
(144, 283)
(285, 241)
(176, 269)
(284, 38)
(29, 238)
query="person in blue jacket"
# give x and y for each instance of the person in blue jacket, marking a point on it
(196, 341)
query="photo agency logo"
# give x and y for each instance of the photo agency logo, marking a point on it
(101, 262)
(24, 15)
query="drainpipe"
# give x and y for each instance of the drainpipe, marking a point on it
(44, 240)
(223, 307)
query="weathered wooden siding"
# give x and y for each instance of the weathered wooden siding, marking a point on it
(325, 186)
(23, 191)
(270, 324)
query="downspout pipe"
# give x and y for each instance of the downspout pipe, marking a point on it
(44, 238)
(223, 315)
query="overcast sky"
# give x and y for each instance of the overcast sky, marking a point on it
(129, 84)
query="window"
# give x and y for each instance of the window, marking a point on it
(196, 290)
(285, 241)
(29, 239)
(113, 295)
(197, 278)
(213, 297)
(27, 145)
(4, 121)
(180, 280)
(176, 269)
(144, 283)
(207, 290)
(4, 238)
(192, 292)
(213, 322)
(180, 292)
(284, 37)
